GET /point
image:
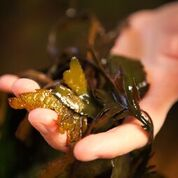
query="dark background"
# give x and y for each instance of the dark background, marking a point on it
(24, 31)
(25, 26)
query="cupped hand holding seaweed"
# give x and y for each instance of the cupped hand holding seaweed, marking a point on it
(147, 37)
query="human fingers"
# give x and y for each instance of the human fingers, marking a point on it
(44, 120)
(6, 82)
(115, 142)
(127, 137)
(24, 85)
(159, 99)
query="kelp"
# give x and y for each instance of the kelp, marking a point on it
(90, 95)
(75, 79)
(72, 103)
(135, 165)
(69, 107)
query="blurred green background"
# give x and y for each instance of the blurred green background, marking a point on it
(25, 26)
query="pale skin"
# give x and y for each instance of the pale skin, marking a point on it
(152, 36)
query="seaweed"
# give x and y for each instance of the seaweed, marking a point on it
(93, 93)
(68, 106)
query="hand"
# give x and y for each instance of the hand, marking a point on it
(151, 36)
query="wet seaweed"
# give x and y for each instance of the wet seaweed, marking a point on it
(90, 95)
